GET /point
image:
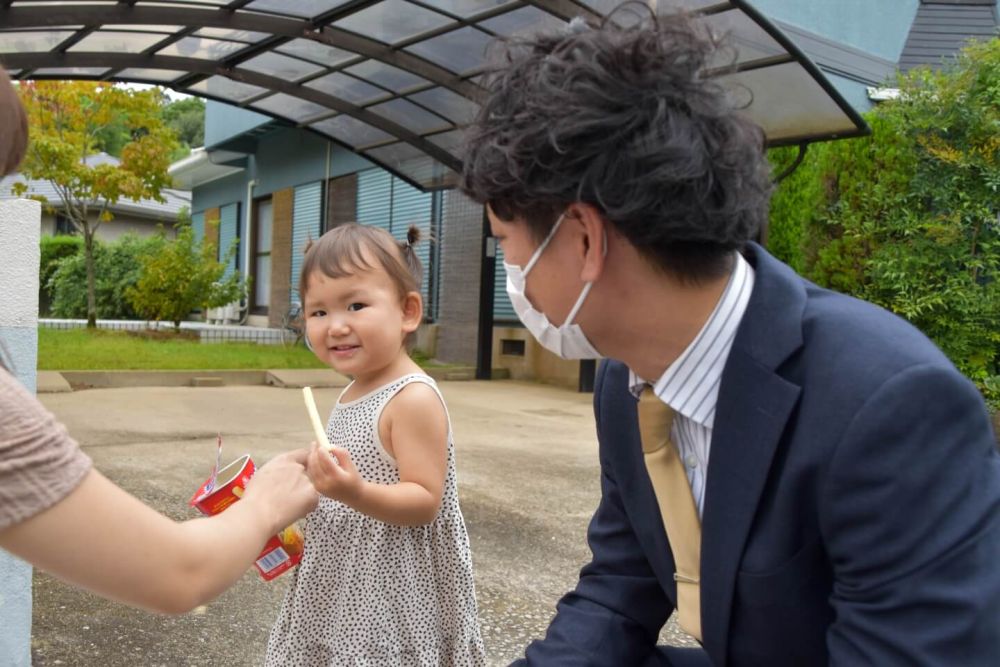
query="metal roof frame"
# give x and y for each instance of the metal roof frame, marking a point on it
(330, 60)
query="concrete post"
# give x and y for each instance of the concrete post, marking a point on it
(20, 222)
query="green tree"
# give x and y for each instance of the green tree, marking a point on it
(117, 267)
(53, 249)
(908, 218)
(68, 120)
(187, 119)
(181, 276)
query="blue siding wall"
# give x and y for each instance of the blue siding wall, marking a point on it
(391, 204)
(229, 233)
(306, 221)
(219, 192)
(198, 225)
(224, 121)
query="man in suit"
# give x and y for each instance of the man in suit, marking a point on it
(841, 490)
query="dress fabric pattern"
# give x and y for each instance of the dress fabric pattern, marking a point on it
(368, 593)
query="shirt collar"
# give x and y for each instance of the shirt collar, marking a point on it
(690, 385)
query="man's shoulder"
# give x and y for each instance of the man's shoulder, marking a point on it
(837, 330)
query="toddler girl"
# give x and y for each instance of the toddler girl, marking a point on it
(386, 577)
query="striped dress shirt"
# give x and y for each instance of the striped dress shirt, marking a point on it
(690, 385)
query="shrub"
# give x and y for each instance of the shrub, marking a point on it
(908, 218)
(53, 249)
(181, 276)
(116, 268)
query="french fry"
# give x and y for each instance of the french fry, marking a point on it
(317, 425)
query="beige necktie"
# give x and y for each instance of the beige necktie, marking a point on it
(673, 495)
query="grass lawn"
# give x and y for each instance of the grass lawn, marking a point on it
(80, 349)
(101, 349)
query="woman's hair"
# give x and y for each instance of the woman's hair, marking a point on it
(13, 127)
(346, 249)
(622, 115)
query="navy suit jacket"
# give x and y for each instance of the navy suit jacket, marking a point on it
(852, 508)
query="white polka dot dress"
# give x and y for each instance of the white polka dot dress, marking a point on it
(368, 593)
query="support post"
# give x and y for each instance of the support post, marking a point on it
(20, 222)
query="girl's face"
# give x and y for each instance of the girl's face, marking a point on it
(357, 324)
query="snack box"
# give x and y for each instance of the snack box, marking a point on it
(283, 551)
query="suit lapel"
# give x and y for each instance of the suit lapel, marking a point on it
(751, 414)
(754, 405)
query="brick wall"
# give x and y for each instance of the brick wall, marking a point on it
(342, 200)
(460, 248)
(281, 254)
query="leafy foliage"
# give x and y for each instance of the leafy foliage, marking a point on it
(187, 119)
(53, 249)
(117, 267)
(181, 276)
(69, 121)
(909, 218)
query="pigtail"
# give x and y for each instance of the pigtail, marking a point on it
(413, 263)
(412, 237)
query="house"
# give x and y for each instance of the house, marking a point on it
(143, 217)
(268, 186)
(942, 27)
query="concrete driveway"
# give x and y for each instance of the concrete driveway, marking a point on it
(528, 478)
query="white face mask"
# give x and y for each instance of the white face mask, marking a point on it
(567, 340)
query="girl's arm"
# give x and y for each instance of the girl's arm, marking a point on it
(414, 430)
(101, 538)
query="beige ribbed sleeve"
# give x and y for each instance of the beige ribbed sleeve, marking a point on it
(40, 464)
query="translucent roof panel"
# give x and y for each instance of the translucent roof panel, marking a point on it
(302, 8)
(522, 22)
(222, 88)
(248, 36)
(763, 93)
(413, 164)
(201, 48)
(290, 107)
(108, 41)
(444, 102)
(72, 72)
(315, 52)
(392, 21)
(385, 75)
(410, 116)
(281, 66)
(351, 131)
(460, 50)
(147, 74)
(354, 90)
(394, 80)
(467, 8)
(30, 41)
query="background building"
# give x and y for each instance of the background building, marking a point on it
(271, 186)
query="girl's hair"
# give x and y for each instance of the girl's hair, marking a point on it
(346, 249)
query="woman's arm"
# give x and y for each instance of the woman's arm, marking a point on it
(103, 539)
(414, 430)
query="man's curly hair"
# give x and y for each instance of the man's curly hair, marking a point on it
(623, 118)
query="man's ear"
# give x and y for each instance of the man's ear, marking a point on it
(594, 239)
(413, 311)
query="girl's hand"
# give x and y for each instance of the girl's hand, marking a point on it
(334, 475)
(282, 490)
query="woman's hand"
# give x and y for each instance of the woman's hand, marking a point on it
(282, 490)
(334, 475)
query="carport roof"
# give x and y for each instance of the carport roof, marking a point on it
(392, 80)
